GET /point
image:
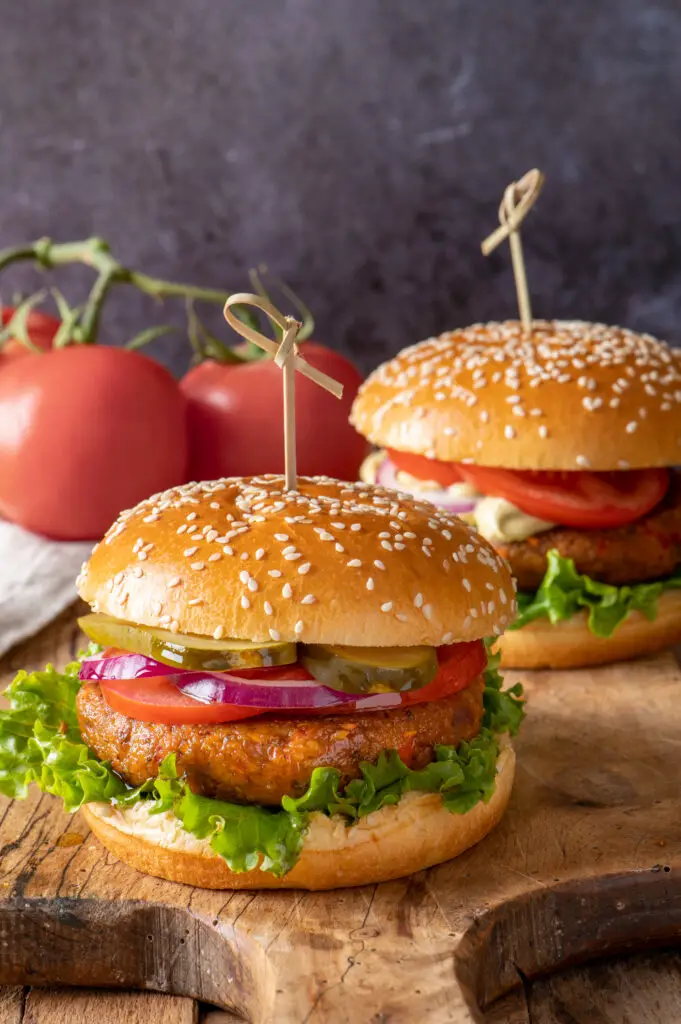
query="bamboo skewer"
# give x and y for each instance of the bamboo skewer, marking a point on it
(287, 359)
(519, 198)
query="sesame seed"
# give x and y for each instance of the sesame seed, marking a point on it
(356, 527)
(197, 566)
(188, 552)
(509, 432)
(268, 608)
(467, 584)
(387, 545)
(281, 536)
(260, 554)
(181, 529)
(164, 619)
(370, 584)
(631, 427)
(215, 557)
(308, 599)
(218, 633)
(274, 573)
(447, 638)
(387, 607)
(355, 563)
(142, 555)
(582, 461)
(275, 634)
(287, 590)
(298, 628)
(244, 576)
(252, 585)
(427, 611)
(191, 517)
(174, 582)
(379, 564)
(418, 600)
(245, 603)
(228, 550)
(543, 430)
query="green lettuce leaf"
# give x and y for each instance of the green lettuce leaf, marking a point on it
(40, 742)
(563, 592)
(504, 710)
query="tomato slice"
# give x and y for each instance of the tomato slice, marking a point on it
(460, 664)
(154, 699)
(444, 473)
(575, 498)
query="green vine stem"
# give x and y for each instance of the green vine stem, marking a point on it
(95, 253)
(80, 324)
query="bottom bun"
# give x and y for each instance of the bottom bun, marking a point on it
(395, 841)
(571, 644)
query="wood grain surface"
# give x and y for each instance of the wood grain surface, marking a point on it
(586, 864)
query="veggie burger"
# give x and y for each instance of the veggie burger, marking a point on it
(285, 688)
(558, 448)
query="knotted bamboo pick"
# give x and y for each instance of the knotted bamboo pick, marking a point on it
(519, 198)
(287, 359)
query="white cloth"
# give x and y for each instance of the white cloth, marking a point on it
(37, 581)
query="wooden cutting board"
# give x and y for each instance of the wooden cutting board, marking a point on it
(586, 863)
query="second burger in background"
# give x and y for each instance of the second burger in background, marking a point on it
(560, 447)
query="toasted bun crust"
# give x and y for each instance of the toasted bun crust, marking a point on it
(571, 644)
(333, 563)
(572, 396)
(395, 841)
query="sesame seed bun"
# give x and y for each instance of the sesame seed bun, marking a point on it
(332, 563)
(414, 834)
(574, 395)
(571, 644)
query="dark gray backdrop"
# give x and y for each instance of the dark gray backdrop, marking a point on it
(360, 147)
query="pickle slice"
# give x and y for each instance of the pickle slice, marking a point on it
(371, 669)
(197, 653)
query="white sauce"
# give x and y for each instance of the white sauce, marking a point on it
(498, 519)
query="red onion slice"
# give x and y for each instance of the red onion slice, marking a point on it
(386, 475)
(268, 691)
(124, 666)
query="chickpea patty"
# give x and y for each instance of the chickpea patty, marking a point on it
(260, 760)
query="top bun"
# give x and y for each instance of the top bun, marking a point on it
(572, 396)
(330, 563)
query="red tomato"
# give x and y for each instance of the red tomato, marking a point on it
(154, 699)
(579, 499)
(444, 473)
(236, 419)
(41, 330)
(86, 431)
